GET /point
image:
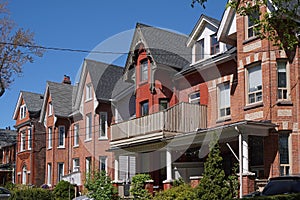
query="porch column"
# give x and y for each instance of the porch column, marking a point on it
(169, 164)
(116, 168)
(245, 149)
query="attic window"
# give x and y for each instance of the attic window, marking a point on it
(252, 23)
(50, 109)
(23, 111)
(144, 70)
(199, 50)
(214, 45)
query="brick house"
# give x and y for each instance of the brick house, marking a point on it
(7, 155)
(221, 80)
(30, 146)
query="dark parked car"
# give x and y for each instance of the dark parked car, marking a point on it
(4, 193)
(279, 185)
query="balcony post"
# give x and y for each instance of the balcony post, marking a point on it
(168, 183)
(116, 168)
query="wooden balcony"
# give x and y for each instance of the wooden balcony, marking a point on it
(178, 119)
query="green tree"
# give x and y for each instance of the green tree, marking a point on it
(213, 185)
(279, 25)
(138, 186)
(17, 47)
(64, 190)
(100, 187)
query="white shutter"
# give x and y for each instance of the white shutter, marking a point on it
(132, 166)
(123, 168)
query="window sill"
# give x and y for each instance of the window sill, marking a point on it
(251, 39)
(75, 146)
(253, 105)
(88, 140)
(87, 100)
(284, 103)
(61, 147)
(223, 119)
(50, 148)
(143, 82)
(103, 138)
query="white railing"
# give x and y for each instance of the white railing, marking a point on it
(73, 178)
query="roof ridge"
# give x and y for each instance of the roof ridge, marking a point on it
(96, 61)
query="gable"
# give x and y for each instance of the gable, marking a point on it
(227, 32)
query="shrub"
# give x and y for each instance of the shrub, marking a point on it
(181, 192)
(138, 186)
(64, 190)
(31, 194)
(100, 187)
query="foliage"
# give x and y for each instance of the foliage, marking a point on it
(31, 194)
(214, 185)
(180, 192)
(100, 187)
(17, 47)
(64, 190)
(178, 182)
(138, 186)
(233, 181)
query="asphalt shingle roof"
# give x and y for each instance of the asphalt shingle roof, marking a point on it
(34, 101)
(62, 95)
(104, 78)
(7, 137)
(166, 47)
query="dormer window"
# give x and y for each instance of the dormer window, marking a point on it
(50, 108)
(199, 50)
(88, 92)
(214, 45)
(144, 70)
(23, 111)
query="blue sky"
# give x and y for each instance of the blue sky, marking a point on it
(87, 24)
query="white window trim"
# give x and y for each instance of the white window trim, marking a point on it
(247, 85)
(219, 100)
(50, 109)
(247, 28)
(100, 161)
(287, 69)
(63, 145)
(29, 138)
(88, 127)
(76, 135)
(194, 99)
(23, 141)
(76, 167)
(100, 126)
(50, 142)
(88, 92)
(23, 111)
(63, 170)
(49, 174)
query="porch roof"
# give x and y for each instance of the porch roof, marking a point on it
(224, 133)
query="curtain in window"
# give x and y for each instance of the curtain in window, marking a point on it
(254, 78)
(224, 95)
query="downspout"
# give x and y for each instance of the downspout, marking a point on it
(240, 160)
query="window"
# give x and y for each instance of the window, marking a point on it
(163, 104)
(144, 108)
(60, 171)
(252, 23)
(49, 137)
(254, 84)
(224, 99)
(214, 45)
(88, 164)
(103, 125)
(199, 50)
(88, 124)
(49, 174)
(103, 163)
(29, 138)
(23, 139)
(76, 165)
(23, 111)
(284, 153)
(195, 98)
(282, 81)
(76, 134)
(50, 109)
(144, 70)
(24, 175)
(88, 92)
(61, 136)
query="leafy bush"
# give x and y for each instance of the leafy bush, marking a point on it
(138, 186)
(31, 194)
(64, 190)
(100, 187)
(181, 192)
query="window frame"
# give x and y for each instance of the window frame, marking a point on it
(250, 26)
(161, 108)
(101, 136)
(88, 126)
(284, 167)
(88, 92)
(214, 47)
(23, 110)
(258, 90)
(199, 50)
(23, 141)
(142, 104)
(76, 135)
(50, 137)
(61, 136)
(60, 175)
(88, 165)
(196, 100)
(29, 138)
(49, 173)
(50, 109)
(101, 159)
(220, 99)
(283, 91)
(76, 164)
(144, 70)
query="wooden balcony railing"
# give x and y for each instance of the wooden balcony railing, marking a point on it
(180, 118)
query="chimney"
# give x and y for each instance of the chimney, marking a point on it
(66, 80)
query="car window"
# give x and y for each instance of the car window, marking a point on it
(281, 187)
(4, 191)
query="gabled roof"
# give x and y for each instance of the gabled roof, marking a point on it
(7, 137)
(61, 95)
(165, 47)
(33, 101)
(198, 28)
